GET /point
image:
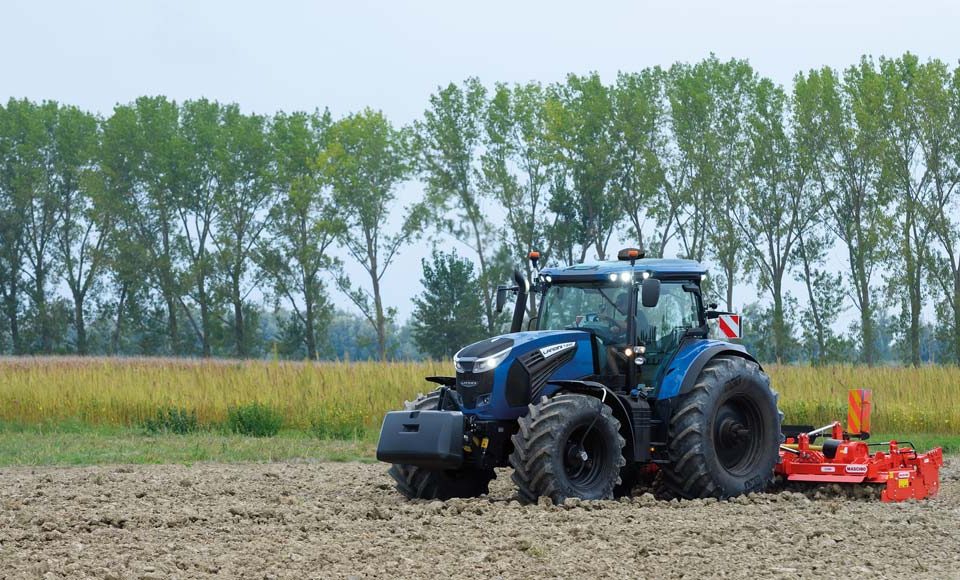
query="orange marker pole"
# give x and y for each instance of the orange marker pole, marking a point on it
(858, 411)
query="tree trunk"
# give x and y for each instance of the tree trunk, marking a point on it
(238, 323)
(956, 315)
(40, 299)
(915, 306)
(913, 274)
(121, 304)
(238, 330)
(730, 274)
(866, 325)
(204, 318)
(311, 338)
(380, 320)
(814, 308)
(79, 324)
(172, 329)
(13, 317)
(484, 278)
(779, 325)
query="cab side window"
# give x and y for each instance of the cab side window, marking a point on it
(676, 312)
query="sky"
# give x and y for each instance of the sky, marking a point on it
(391, 55)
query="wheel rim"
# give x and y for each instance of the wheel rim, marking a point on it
(737, 434)
(584, 456)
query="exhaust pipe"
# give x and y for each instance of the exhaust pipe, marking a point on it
(523, 291)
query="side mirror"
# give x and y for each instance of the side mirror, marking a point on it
(650, 292)
(501, 298)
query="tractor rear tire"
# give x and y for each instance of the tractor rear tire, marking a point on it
(568, 446)
(419, 483)
(724, 434)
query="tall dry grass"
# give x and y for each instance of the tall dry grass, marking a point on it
(905, 399)
(343, 399)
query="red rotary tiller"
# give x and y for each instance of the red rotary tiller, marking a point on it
(903, 471)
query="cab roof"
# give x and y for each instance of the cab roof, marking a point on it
(658, 268)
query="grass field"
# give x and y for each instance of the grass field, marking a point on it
(43, 397)
(80, 445)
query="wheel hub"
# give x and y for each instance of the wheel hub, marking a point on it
(583, 456)
(736, 427)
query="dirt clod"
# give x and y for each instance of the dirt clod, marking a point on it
(345, 520)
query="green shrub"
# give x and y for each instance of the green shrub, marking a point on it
(173, 420)
(322, 427)
(254, 419)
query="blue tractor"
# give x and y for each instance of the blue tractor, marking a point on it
(614, 378)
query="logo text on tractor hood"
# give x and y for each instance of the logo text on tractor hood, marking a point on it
(549, 351)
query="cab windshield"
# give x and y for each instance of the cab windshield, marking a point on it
(582, 306)
(603, 310)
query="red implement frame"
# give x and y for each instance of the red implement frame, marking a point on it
(905, 472)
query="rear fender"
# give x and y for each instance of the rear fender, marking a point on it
(689, 361)
(599, 391)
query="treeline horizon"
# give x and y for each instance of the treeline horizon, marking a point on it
(152, 230)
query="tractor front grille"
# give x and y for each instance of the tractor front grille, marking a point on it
(530, 373)
(470, 386)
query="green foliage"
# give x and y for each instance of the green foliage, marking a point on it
(449, 145)
(579, 121)
(304, 224)
(449, 314)
(172, 420)
(254, 419)
(364, 161)
(154, 229)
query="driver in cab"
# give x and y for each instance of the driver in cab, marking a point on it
(616, 358)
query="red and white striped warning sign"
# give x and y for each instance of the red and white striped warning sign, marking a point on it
(729, 325)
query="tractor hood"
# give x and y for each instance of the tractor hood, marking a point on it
(500, 376)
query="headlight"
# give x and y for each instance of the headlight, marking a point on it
(481, 365)
(488, 363)
(491, 362)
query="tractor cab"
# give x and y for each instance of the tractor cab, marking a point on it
(637, 312)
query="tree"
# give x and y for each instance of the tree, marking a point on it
(848, 115)
(579, 115)
(22, 139)
(778, 202)
(127, 264)
(708, 102)
(639, 115)
(940, 129)
(448, 314)
(693, 158)
(197, 190)
(304, 224)
(447, 143)
(364, 161)
(85, 212)
(145, 138)
(244, 195)
(517, 169)
(908, 177)
(825, 297)
(40, 225)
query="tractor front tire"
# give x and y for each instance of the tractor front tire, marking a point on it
(568, 446)
(419, 483)
(724, 434)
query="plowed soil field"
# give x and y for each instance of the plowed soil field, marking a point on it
(336, 520)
